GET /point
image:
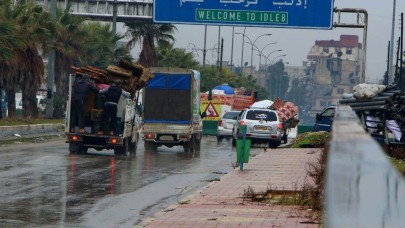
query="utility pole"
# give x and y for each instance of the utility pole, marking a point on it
(219, 43)
(222, 53)
(51, 70)
(114, 27)
(243, 46)
(233, 34)
(390, 75)
(205, 46)
(388, 64)
(401, 86)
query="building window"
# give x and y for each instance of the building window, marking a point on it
(326, 49)
(348, 51)
(340, 91)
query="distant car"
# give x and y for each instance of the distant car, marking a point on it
(324, 119)
(225, 125)
(262, 125)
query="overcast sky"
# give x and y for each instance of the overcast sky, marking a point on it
(296, 43)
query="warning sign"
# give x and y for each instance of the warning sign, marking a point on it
(212, 109)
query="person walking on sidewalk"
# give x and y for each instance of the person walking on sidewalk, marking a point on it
(81, 88)
(113, 94)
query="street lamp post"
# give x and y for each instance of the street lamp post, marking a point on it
(252, 43)
(277, 57)
(267, 58)
(260, 56)
(272, 62)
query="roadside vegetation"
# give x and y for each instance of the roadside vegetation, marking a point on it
(309, 197)
(397, 158)
(77, 42)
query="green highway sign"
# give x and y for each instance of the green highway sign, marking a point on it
(312, 14)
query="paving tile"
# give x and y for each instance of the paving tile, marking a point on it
(221, 204)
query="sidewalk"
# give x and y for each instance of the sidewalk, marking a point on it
(221, 204)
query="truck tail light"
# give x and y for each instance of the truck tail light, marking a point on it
(243, 123)
(220, 123)
(114, 141)
(184, 137)
(75, 138)
(280, 126)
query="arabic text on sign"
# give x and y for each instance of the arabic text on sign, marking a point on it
(247, 3)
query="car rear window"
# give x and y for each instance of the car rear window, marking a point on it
(261, 114)
(230, 115)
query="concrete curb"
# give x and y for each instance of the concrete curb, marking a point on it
(19, 132)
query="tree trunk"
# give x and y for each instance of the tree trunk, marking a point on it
(29, 105)
(147, 57)
(11, 102)
(1, 104)
(29, 98)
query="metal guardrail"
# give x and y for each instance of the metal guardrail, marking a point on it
(362, 189)
(127, 10)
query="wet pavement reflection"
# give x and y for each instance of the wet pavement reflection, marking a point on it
(43, 185)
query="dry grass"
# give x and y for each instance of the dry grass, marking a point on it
(310, 196)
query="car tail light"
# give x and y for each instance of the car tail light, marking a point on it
(150, 136)
(75, 138)
(220, 123)
(280, 126)
(243, 123)
(114, 141)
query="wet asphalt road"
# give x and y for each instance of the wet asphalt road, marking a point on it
(42, 185)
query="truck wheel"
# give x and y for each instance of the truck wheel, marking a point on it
(132, 147)
(73, 148)
(187, 147)
(198, 144)
(150, 146)
(83, 149)
(122, 150)
(220, 138)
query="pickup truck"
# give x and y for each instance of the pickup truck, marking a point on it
(171, 103)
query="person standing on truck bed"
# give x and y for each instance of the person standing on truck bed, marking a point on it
(113, 94)
(81, 88)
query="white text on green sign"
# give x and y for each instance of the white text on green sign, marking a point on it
(241, 16)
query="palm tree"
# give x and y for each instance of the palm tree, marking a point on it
(34, 23)
(77, 44)
(8, 43)
(150, 33)
(69, 40)
(101, 46)
(11, 67)
(176, 57)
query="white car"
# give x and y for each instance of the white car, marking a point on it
(262, 125)
(225, 125)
